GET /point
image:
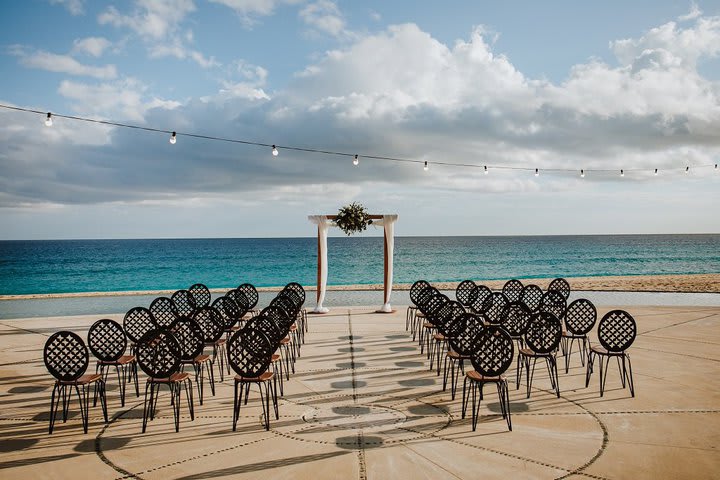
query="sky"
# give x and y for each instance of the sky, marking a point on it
(559, 86)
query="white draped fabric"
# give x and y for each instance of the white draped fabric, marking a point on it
(323, 223)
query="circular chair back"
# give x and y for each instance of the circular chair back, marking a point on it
(580, 317)
(617, 331)
(184, 303)
(66, 356)
(493, 306)
(249, 352)
(424, 296)
(241, 300)
(200, 294)
(466, 293)
(446, 315)
(284, 301)
(279, 316)
(433, 305)
(163, 310)
(531, 296)
(267, 326)
(250, 293)
(512, 290)
(228, 310)
(415, 290)
(297, 288)
(106, 340)
(158, 354)
(469, 327)
(544, 333)
(553, 302)
(515, 319)
(294, 297)
(493, 351)
(561, 285)
(482, 293)
(210, 323)
(137, 322)
(190, 337)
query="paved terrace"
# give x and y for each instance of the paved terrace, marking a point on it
(363, 404)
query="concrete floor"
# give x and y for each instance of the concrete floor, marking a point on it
(363, 404)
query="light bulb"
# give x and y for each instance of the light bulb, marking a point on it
(48, 120)
(716, 166)
(687, 169)
(582, 173)
(356, 160)
(656, 171)
(173, 138)
(426, 168)
(537, 172)
(275, 151)
(622, 172)
(486, 170)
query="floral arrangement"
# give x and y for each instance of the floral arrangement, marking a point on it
(353, 218)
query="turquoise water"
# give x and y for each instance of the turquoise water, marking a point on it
(64, 266)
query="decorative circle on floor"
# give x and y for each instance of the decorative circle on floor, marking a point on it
(368, 418)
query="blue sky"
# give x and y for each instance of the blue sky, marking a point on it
(558, 85)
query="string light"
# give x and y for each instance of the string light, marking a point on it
(173, 138)
(716, 166)
(426, 168)
(656, 172)
(582, 173)
(537, 172)
(687, 169)
(48, 120)
(622, 172)
(486, 170)
(356, 160)
(275, 151)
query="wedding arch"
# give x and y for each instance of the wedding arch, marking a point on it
(324, 222)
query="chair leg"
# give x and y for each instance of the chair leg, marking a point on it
(147, 406)
(589, 367)
(84, 400)
(175, 392)
(506, 401)
(445, 372)
(211, 374)
(237, 400)
(199, 377)
(189, 397)
(603, 371)
(54, 404)
(464, 398)
(530, 374)
(630, 377)
(476, 386)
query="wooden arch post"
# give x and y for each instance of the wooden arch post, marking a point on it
(324, 222)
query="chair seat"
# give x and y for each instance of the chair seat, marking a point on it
(202, 358)
(439, 337)
(285, 340)
(429, 325)
(293, 327)
(84, 380)
(456, 356)
(476, 376)
(262, 378)
(603, 351)
(124, 360)
(420, 314)
(174, 378)
(275, 357)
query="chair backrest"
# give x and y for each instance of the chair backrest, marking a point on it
(240, 299)
(294, 296)
(200, 294)
(267, 326)
(279, 316)
(493, 306)
(137, 322)
(249, 352)
(297, 288)
(553, 302)
(468, 328)
(228, 310)
(158, 354)
(446, 315)
(531, 296)
(66, 356)
(163, 310)
(580, 317)
(184, 303)
(493, 351)
(415, 290)
(561, 285)
(190, 337)
(512, 290)
(107, 340)
(466, 292)
(482, 293)
(617, 331)
(515, 319)
(285, 301)
(433, 305)
(250, 293)
(210, 323)
(544, 333)
(424, 296)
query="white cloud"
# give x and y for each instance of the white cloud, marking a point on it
(324, 16)
(75, 7)
(694, 13)
(248, 10)
(61, 63)
(94, 46)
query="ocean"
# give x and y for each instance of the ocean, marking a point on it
(71, 266)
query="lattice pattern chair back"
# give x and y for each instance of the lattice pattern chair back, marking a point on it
(433, 305)
(228, 310)
(456, 324)
(447, 314)
(210, 323)
(249, 352)
(107, 340)
(279, 316)
(515, 319)
(267, 326)
(544, 333)
(617, 331)
(66, 356)
(561, 285)
(294, 297)
(531, 296)
(553, 302)
(200, 294)
(241, 300)
(493, 307)
(512, 290)
(466, 293)
(184, 303)
(483, 292)
(415, 290)
(580, 317)
(190, 337)
(493, 351)
(465, 339)
(137, 322)
(424, 296)
(285, 302)
(250, 293)
(297, 288)
(159, 354)
(163, 310)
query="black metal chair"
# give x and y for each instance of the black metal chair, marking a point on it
(136, 323)
(466, 293)
(580, 318)
(554, 302)
(285, 301)
(561, 285)
(491, 357)
(415, 290)
(163, 310)
(515, 319)
(159, 356)
(466, 329)
(531, 296)
(493, 307)
(512, 290)
(282, 319)
(298, 289)
(213, 330)
(298, 311)
(191, 338)
(418, 317)
(483, 292)
(66, 358)
(444, 323)
(200, 295)
(249, 354)
(429, 310)
(184, 303)
(107, 342)
(230, 314)
(542, 339)
(251, 294)
(616, 332)
(276, 336)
